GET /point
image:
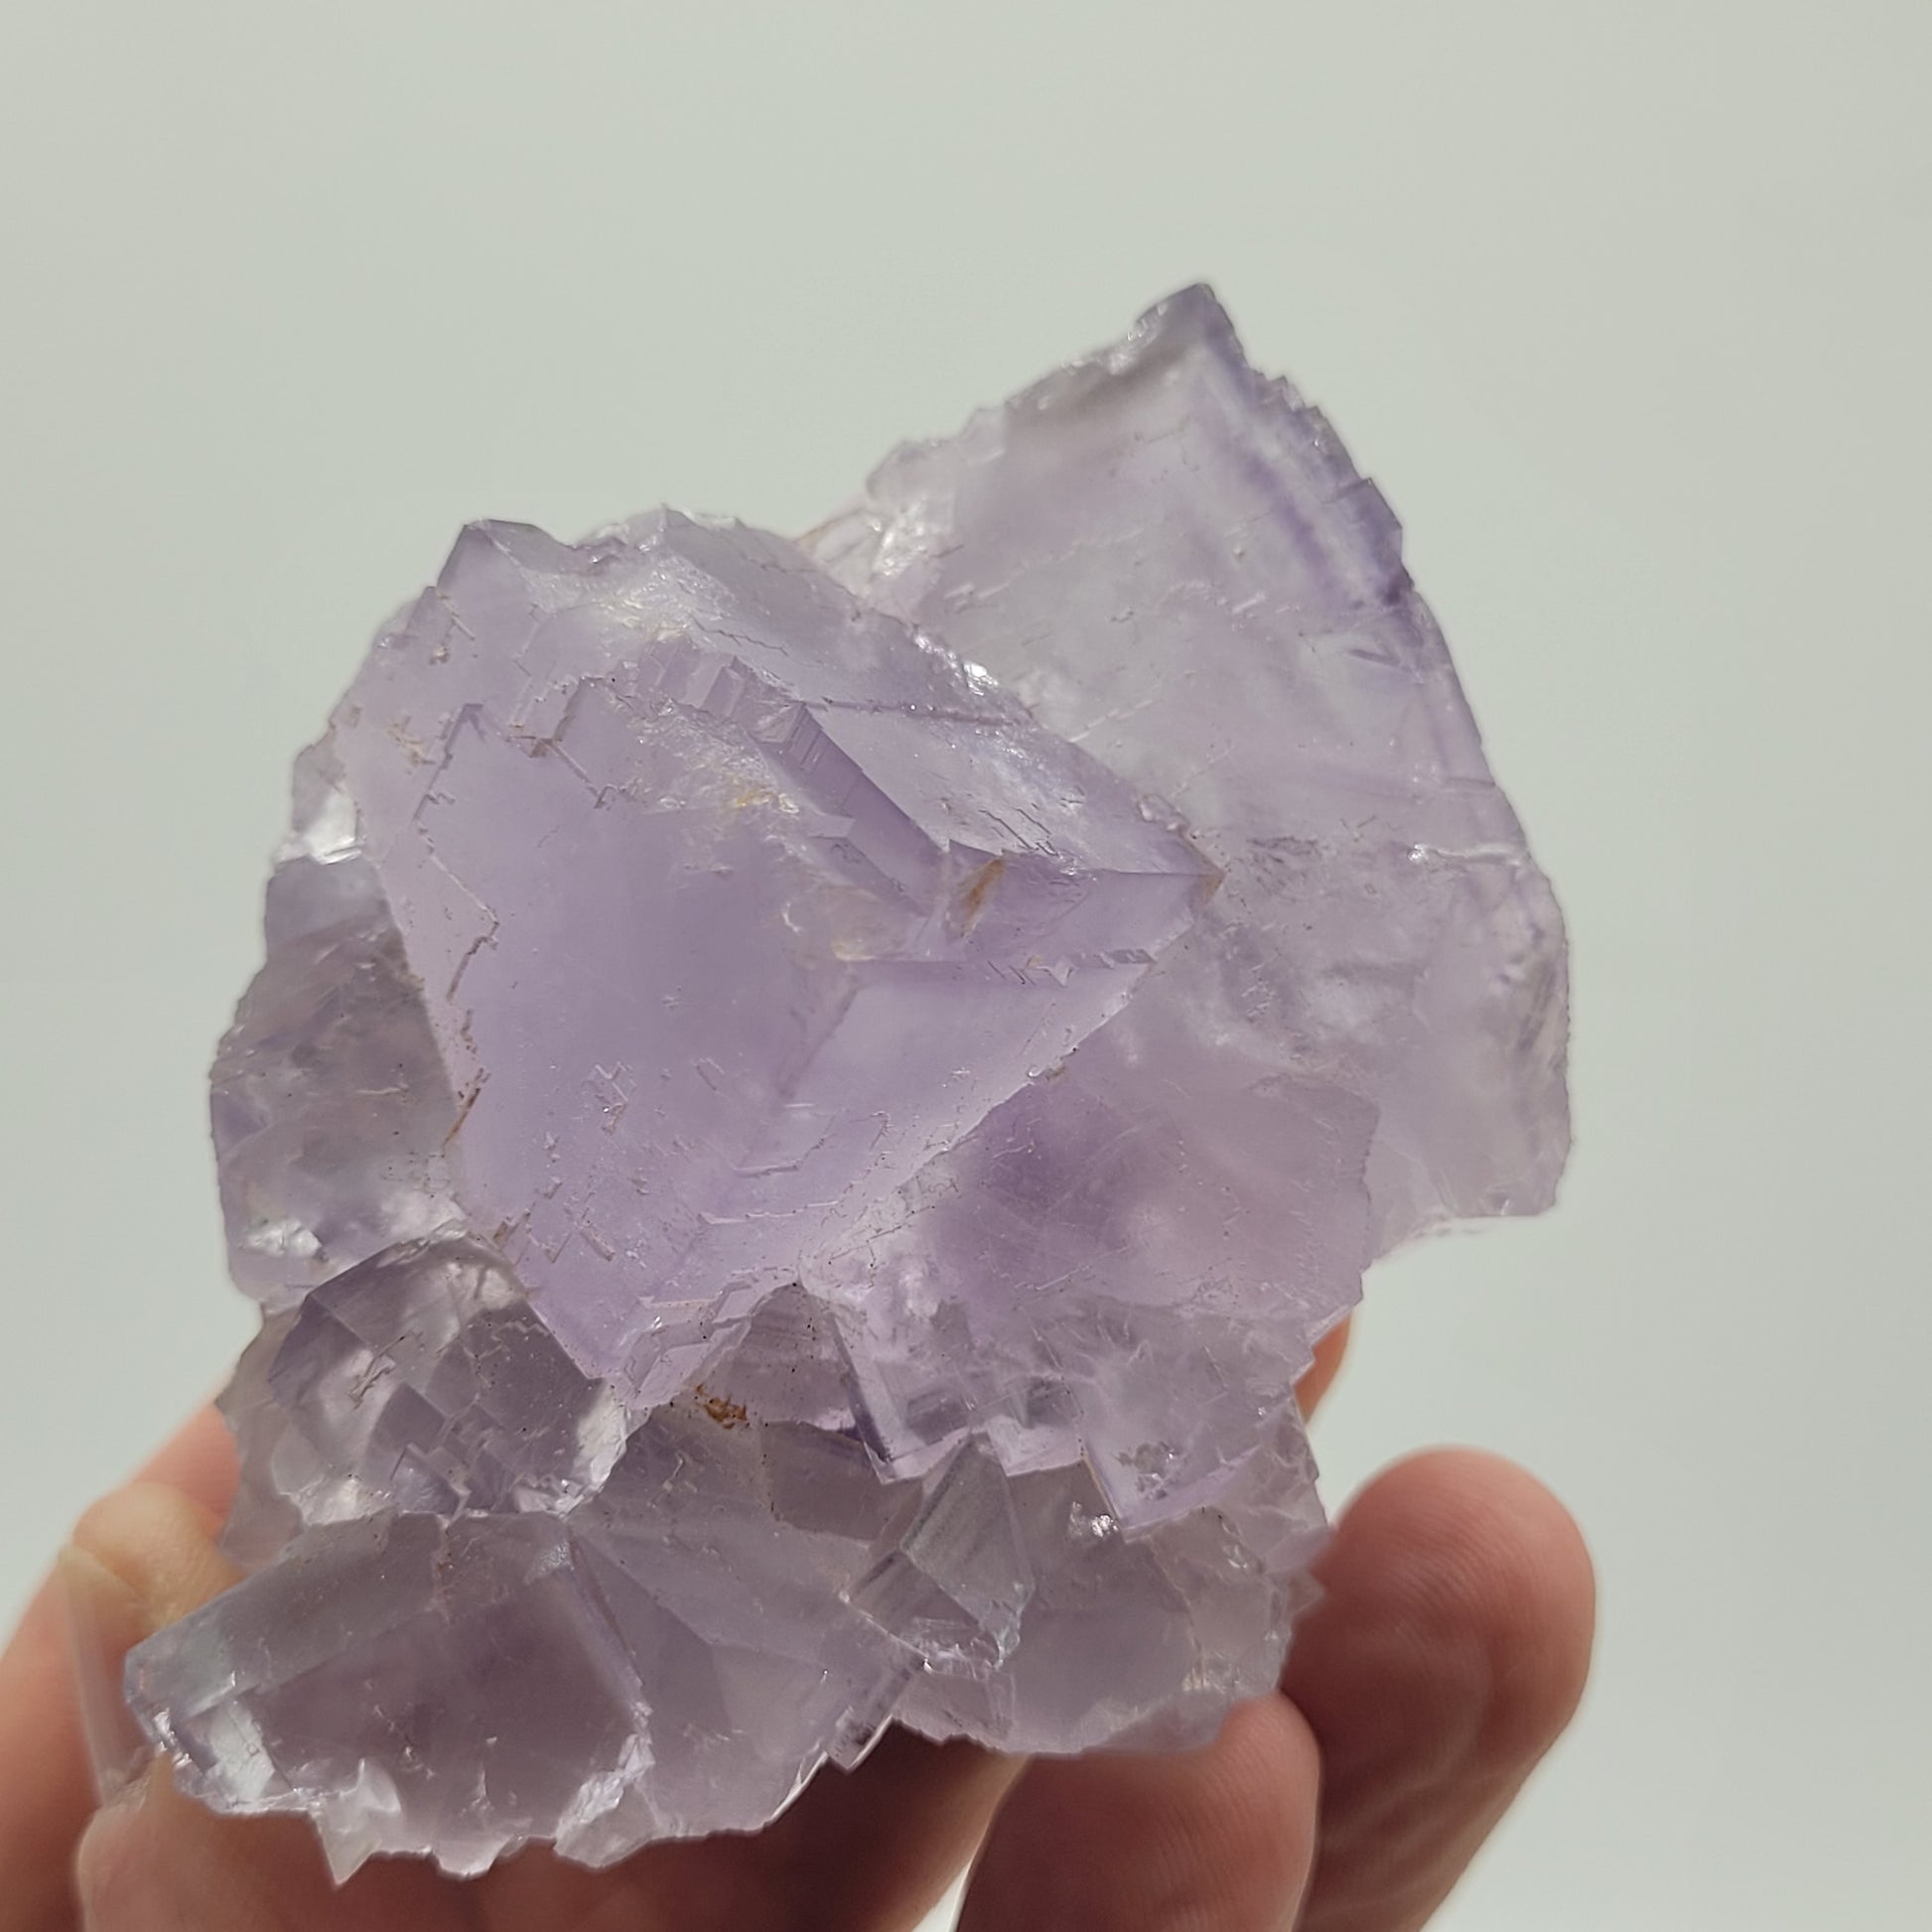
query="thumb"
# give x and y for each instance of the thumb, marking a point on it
(53, 1773)
(138, 1560)
(152, 1860)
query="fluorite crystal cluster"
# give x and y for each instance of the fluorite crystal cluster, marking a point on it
(808, 1105)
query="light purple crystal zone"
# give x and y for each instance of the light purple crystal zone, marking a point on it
(806, 1107)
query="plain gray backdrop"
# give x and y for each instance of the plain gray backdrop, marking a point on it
(1627, 310)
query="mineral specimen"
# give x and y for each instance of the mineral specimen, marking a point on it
(808, 1105)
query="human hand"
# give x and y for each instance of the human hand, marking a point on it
(1448, 1653)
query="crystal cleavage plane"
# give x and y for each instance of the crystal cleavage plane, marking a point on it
(806, 1106)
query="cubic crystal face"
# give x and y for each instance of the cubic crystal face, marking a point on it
(808, 1105)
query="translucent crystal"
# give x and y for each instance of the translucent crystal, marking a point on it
(808, 1105)
(1172, 562)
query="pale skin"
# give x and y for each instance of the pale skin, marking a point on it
(1446, 1656)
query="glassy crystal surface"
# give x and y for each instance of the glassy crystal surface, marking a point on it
(808, 1105)
(1172, 561)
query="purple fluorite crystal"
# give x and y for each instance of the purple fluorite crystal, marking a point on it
(808, 1105)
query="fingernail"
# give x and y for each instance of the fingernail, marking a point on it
(104, 1621)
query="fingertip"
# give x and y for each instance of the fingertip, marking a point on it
(1259, 1807)
(1457, 1623)
(159, 1544)
(156, 1859)
(1330, 1353)
(108, 1881)
(1487, 1579)
(104, 1621)
(1536, 1597)
(1223, 1835)
(136, 1560)
(200, 1461)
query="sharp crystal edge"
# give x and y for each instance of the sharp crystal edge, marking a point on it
(806, 1106)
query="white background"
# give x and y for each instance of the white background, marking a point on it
(1627, 309)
